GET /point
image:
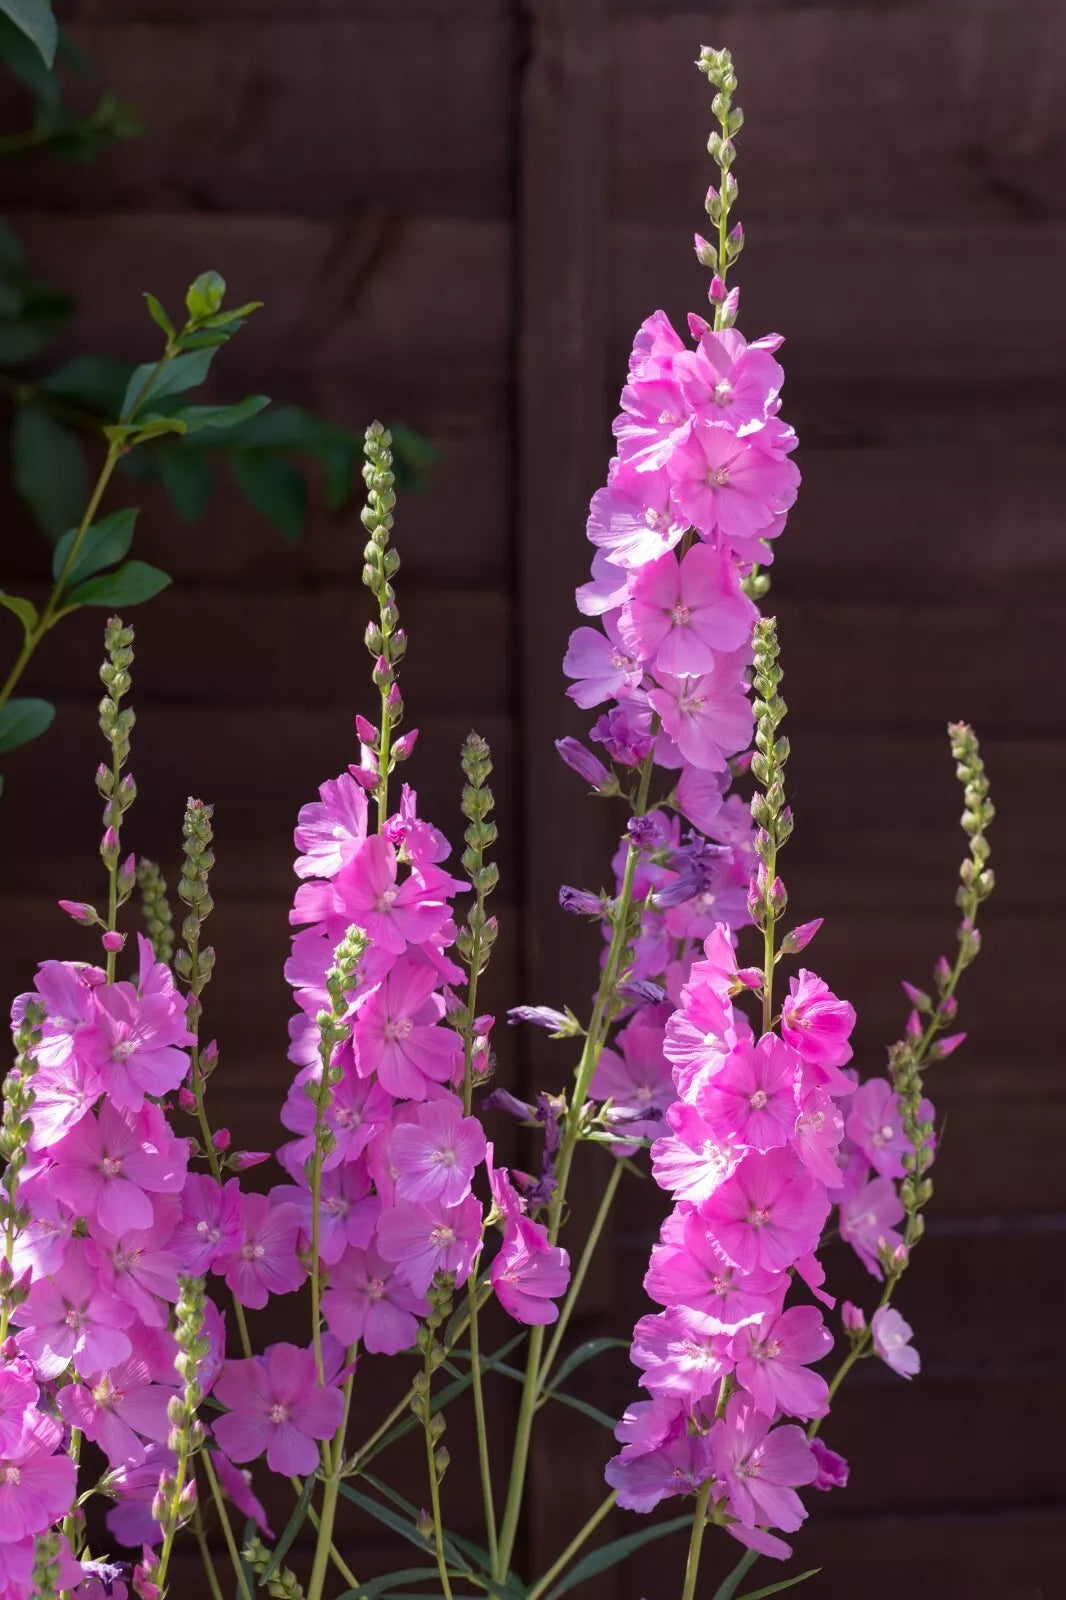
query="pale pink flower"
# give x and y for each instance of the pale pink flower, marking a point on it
(752, 1097)
(119, 1410)
(134, 1042)
(693, 1161)
(682, 1352)
(436, 1152)
(678, 1466)
(656, 343)
(367, 1303)
(62, 1094)
(819, 1130)
(331, 829)
(397, 1034)
(892, 1341)
(139, 1266)
(37, 1480)
(684, 615)
(358, 1107)
(688, 1268)
(634, 520)
(772, 1361)
(276, 1407)
(110, 1163)
(210, 1223)
(729, 486)
(70, 1319)
(365, 892)
(768, 1213)
(866, 1219)
(528, 1274)
(18, 1396)
(875, 1126)
(655, 418)
(709, 718)
(637, 1081)
(426, 1239)
(265, 1261)
(761, 1467)
(730, 382)
(818, 1025)
(66, 990)
(605, 591)
(603, 666)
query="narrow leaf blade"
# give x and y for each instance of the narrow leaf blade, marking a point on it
(105, 543)
(128, 585)
(22, 608)
(35, 19)
(609, 1555)
(779, 1588)
(23, 720)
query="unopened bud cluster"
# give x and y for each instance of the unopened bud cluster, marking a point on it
(155, 909)
(333, 1029)
(385, 639)
(718, 67)
(276, 1579)
(175, 1498)
(773, 818)
(191, 963)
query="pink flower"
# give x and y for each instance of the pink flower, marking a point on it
(133, 1043)
(655, 419)
(367, 1303)
(332, 829)
(426, 1239)
(358, 1107)
(866, 1219)
(753, 1096)
(693, 1162)
(819, 1130)
(37, 1485)
(69, 1319)
(348, 1210)
(688, 1268)
(728, 381)
(761, 1467)
(682, 1352)
(678, 1466)
(817, 1024)
(769, 1213)
(210, 1223)
(62, 1094)
(529, 1274)
(18, 1397)
(435, 1154)
(832, 1468)
(107, 1166)
(637, 1082)
(772, 1361)
(709, 718)
(603, 666)
(274, 1405)
(729, 486)
(121, 1409)
(66, 991)
(265, 1262)
(683, 615)
(397, 1036)
(140, 1267)
(875, 1126)
(892, 1341)
(633, 520)
(365, 892)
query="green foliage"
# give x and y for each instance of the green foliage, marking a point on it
(105, 542)
(34, 19)
(609, 1555)
(128, 585)
(23, 720)
(48, 468)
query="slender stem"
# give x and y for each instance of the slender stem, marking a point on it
(728, 1587)
(384, 757)
(335, 1556)
(205, 1553)
(699, 1522)
(520, 1455)
(434, 1483)
(227, 1530)
(578, 1279)
(316, 1228)
(327, 1517)
(172, 1517)
(580, 1538)
(484, 1463)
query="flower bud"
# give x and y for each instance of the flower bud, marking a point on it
(582, 902)
(81, 911)
(112, 941)
(582, 761)
(221, 1139)
(946, 1046)
(405, 745)
(800, 937)
(852, 1318)
(248, 1158)
(366, 731)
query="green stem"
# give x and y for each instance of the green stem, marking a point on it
(205, 1553)
(434, 1483)
(728, 1587)
(520, 1455)
(484, 1463)
(227, 1529)
(384, 757)
(578, 1279)
(699, 1522)
(580, 1538)
(172, 1518)
(327, 1517)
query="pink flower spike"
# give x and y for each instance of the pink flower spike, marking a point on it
(892, 1341)
(683, 615)
(274, 1406)
(435, 1155)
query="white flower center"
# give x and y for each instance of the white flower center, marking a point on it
(111, 1166)
(279, 1413)
(442, 1237)
(680, 616)
(398, 1028)
(718, 477)
(759, 1217)
(758, 1099)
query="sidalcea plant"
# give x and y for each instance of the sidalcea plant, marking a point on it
(394, 1217)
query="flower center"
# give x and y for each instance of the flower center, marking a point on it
(73, 1318)
(11, 1475)
(253, 1252)
(680, 616)
(442, 1237)
(344, 1117)
(718, 477)
(279, 1413)
(883, 1136)
(336, 1205)
(723, 392)
(759, 1217)
(444, 1158)
(758, 1099)
(111, 1166)
(386, 899)
(621, 663)
(398, 1029)
(123, 1050)
(375, 1289)
(207, 1232)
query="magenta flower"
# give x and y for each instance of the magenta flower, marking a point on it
(348, 1209)
(332, 829)
(602, 665)
(769, 1213)
(66, 991)
(434, 1155)
(358, 1108)
(397, 1034)
(819, 1130)
(753, 1096)
(134, 1043)
(265, 1262)
(730, 486)
(37, 1485)
(866, 1219)
(692, 1162)
(655, 418)
(875, 1127)
(108, 1165)
(760, 1467)
(426, 1239)
(119, 1411)
(393, 915)
(68, 1318)
(367, 1303)
(637, 1082)
(817, 1024)
(275, 1406)
(18, 1397)
(683, 615)
(772, 1361)
(682, 1352)
(210, 1223)
(689, 1269)
(139, 1267)
(730, 382)
(529, 1274)
(832, 1468)
(709, 718)
(677, 1467)
(892, 1341)
(62, 1095)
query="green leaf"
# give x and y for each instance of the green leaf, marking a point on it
(48, 468)
(276, 488)
(204, 297)
(586, 1352)
(96, 381)
(291, 1529)
(378, 1586)
(23, 720)
(25, 610)
(476, 1552)
(404, 1526)
(36, 21)
(105, 543)
(178, 374)
(158, 315)
(441, 1398)
(222, 319)
(197, 417)
(609, 1555)
(779, 1588)
(127, 586)
(187, 479)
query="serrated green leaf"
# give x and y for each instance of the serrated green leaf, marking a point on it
(48, 468)
(34, 18)
(197, 417)
(586, 1352)
(609, 1555)
(187, 479)
(106, 542)
(276, 488)
(779, 1588)
(179, 374)
(23, 720)
(158, 315)
(96, 381)
(127, 586)
(22, 608)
